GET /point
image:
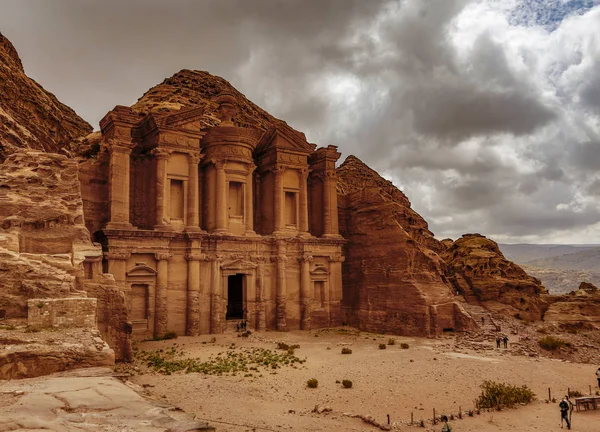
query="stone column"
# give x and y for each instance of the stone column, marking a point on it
(305, 294)
(280, 297)
(215, 298)
(327, 229)
(162, 285)
(333, 206)
(335, 290)
(119, 177)
(261, 316)
(277, 199)
(162, 156)
(257, 195)
(303, 226)
(193, 222)
(221, 195)
(193, 293)
(249, 203)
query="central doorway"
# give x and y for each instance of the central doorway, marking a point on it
(235, 297)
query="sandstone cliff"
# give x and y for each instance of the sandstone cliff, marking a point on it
(31, 117)
(576, 310)
(393, 278)
(483, 275)
(193, 88)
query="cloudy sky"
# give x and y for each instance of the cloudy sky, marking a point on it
(486, 113)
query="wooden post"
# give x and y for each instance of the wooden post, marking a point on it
(590, 390)
(434, 420)
(549, 395)
(460, 412)
(388, 418)
(411, 418)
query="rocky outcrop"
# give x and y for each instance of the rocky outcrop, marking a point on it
(393, 280)
(45, 248)
(577, 310)
(43, 240)
(483, 275)
(193, 88)
(26, 355)
(31, 117)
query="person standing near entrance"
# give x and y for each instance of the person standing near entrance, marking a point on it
(505, 340)
(598, 376)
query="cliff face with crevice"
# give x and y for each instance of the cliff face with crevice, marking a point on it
(481, 273)
(31, 117)
(393, 279)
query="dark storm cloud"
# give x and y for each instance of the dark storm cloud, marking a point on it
(485, 131)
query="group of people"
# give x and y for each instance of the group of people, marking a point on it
(241, 326)
(501, 339)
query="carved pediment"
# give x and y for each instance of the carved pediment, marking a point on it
(285, 138)
(141, 270)
(319, 271)
(238, 265)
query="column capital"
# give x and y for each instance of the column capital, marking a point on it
(195, 256)
(119, 146)
(304, 259)
(117, 255)
(195, 158)
(161, 153)
(337, 258)
(279, 258)
(160, 256)
(332, 175)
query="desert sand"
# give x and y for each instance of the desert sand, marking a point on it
(431, 373)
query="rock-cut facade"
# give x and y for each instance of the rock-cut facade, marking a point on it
(204, 226)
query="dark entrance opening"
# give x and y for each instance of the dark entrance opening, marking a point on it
(235, 297)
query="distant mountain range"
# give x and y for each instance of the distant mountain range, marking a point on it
(561, 268)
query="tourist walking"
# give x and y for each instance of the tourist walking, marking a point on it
(505, 341)
(598, 376)
(564, 406)
(446, 427)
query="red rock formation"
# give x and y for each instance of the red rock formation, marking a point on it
(393, 280)
(31, 117)
(482, 274)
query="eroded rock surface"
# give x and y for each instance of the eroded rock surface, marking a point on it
(393, 278)
(87, 400)
(25, 354)
(483, 275)
(45, 248)
(576, 310)
(31, 117)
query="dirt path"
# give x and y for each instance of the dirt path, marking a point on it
(395, 381)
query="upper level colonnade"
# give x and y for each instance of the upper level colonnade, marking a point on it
(169, 172)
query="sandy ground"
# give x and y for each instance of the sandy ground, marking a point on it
(429, 374)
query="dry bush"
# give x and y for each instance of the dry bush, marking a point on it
(346, 351)
(312, 383)
(382, 346)
(347, 383)
(551, 343)
(500, 395)
(404, 345)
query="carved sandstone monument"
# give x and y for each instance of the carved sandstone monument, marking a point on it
(205, 218)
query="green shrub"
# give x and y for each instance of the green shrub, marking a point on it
(382, 346)
(575, 393)
(404, 345)
(500, 395)
(168, 335)
(346, 351)
(391, 341)
(551, 343)
(347, 383)
(312, 383)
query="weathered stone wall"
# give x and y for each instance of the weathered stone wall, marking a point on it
(65, 312)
